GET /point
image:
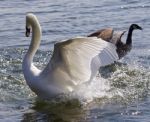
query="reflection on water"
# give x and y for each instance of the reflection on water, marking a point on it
(55, 111)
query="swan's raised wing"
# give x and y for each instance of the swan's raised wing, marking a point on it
(81, 57)
(105, 34)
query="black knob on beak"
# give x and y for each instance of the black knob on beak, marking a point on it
(27, 32)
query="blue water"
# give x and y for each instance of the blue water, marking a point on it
(127, 99)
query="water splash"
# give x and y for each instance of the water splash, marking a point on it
(87, 92)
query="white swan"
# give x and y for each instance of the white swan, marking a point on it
(74, 61)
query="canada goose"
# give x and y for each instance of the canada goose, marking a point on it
(115, 37)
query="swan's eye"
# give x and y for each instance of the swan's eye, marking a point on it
(27, 32)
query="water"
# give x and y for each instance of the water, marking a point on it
(122, 95)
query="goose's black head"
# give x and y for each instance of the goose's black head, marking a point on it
(135, 26)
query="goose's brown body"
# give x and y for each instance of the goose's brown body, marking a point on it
(109, 35)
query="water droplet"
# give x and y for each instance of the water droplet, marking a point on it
(136, 113)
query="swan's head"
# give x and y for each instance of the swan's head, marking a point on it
(31, 20)
(136, 27)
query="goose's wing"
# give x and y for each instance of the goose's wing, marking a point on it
(105, 34)
(81, 57)
(117, 36)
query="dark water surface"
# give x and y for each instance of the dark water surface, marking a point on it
(125, 97)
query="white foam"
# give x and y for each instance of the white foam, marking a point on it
(88, 92)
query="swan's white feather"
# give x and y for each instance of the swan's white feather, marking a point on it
(81, 57)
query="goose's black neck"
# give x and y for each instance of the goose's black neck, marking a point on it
(129, 37)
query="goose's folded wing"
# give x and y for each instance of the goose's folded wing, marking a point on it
(105, 34)
(81, 57)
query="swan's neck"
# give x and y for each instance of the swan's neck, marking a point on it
(129, 37)
(35, 42)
